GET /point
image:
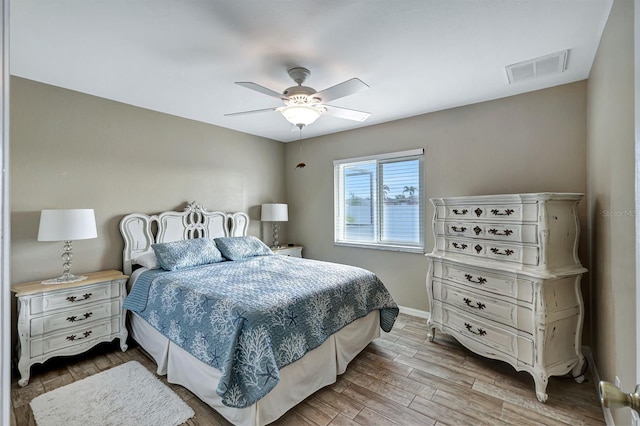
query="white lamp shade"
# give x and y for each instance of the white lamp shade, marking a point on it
(67, 225)
(274, 213)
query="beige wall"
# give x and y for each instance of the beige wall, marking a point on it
(611, 177)
(74, 150)
(70, 150)
(528, 143)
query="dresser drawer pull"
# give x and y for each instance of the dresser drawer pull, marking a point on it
(479, 305)
(459, 246)
(478, 248)
(75, 299)
(456, 229)
(480, 331)
(480, 280)
(507, 212)
(460, 212)
(497, 233)
(73, 337)
(74, 318)
(506, 252)
(478, 211)
(477, 230)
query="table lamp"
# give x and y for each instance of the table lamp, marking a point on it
(275, 213)
(67, 225)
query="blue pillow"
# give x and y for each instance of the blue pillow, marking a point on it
(187, 253)
(237, 248)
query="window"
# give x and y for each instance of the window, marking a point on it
(379, 201)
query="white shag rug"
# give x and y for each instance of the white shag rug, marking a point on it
(128, 394)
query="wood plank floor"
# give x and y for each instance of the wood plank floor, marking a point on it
(399, 379)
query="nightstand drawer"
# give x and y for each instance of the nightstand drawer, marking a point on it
(75, 336)
(69, 318)
(73, 298)
(295, 251)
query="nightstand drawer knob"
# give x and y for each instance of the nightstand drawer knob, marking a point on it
(73, 337)
(75, 299)
(74, 318)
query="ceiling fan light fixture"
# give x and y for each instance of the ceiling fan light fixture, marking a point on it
(303, 104)
(304, 115)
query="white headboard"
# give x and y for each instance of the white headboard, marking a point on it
(139, 232)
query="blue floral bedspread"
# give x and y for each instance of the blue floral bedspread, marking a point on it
(249, 318)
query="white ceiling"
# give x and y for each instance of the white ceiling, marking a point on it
(183, 57)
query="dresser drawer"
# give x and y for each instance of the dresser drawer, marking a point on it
(517, 233)
(490, 335)
(75, 336)
(515, 253)
(503, 284)
(483, 305)
(501, 212)
(73, 298)
(75, 316)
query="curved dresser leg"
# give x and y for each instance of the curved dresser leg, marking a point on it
(123, 345)
(541, 380)
(576, 372)
(25, 371)
(431, 334)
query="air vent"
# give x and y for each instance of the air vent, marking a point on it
(537, 67)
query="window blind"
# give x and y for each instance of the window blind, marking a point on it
(379, 201)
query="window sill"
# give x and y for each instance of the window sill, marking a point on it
(404, 249)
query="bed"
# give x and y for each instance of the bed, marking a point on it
(275, 297)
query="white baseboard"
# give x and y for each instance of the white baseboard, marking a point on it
(586, 351)
(414, 312)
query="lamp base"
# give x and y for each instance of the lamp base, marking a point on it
(67, 278)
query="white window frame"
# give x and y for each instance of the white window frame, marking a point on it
(339, 202)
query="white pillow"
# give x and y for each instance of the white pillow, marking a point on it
(148, 260)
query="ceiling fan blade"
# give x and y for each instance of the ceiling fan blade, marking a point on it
(349, 114)
(261, 89)
(251, 112)
(341, 90)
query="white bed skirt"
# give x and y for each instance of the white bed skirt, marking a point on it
(318, 368)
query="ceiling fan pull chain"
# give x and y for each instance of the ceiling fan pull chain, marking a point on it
(301, 164)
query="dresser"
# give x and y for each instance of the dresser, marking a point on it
(68, 318)
(504, 280)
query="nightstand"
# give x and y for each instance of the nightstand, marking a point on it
(68, 318)
(295, 251)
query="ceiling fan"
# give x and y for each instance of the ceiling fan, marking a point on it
(303, 105)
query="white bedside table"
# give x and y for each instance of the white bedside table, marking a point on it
(295, 251)
(68, 318)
